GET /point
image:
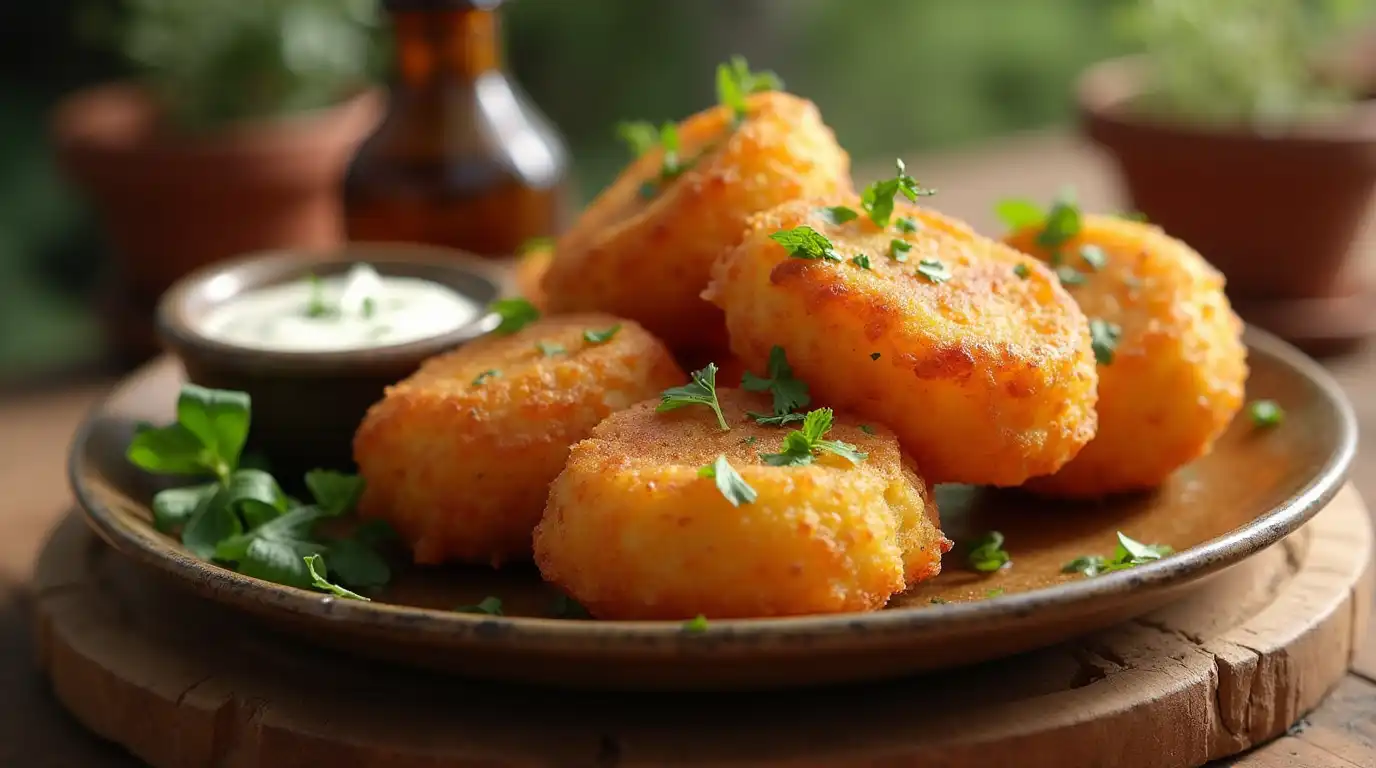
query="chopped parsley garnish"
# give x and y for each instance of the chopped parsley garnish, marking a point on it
(550, 349)
(987, 554)
(1022, 271)
(776, 420)
(491, 606)
(515, 314)
(1129, 553)
(369, 307)
(729, 482)
(315, 567)
(789, 393)
(565, 607)
(696, 624)
(1265, 413)
(640, 135)
(702, 390)
(735, 82)
(874, 355)
(862, 261)
(1018, 213)
(804, 242)
(749, 440)
(1103, 338)
(939, 601)
(1094, 256)
(867, 429)
(933, 270)
(1069, 276)
(877, 199)
(898, 249)
(800, 444)
(315, 304)
(1062, 223)
(672, 165)
(594, 336)
(481, 378)
(838, 214)
(995, 592)
(906, 224)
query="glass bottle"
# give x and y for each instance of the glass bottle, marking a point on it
(463, 158)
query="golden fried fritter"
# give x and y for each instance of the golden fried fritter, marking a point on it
(531, 267)
(649, 259)
(985, 375)
(1178, 368)
(459, 457)
(633, 531)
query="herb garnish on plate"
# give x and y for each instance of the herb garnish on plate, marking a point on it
(800, 444)
(1129, 553)
(702, 390)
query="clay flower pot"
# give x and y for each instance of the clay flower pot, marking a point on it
(171, 202)
(1277, 213)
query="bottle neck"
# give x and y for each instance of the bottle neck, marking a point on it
(444, 45)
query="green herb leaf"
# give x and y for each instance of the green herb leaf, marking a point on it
(174, 506)
(702, 390)
(838, 214)
(1088, 565)
(799, 445)
(640, 135)
(1103, 338)
(862, 261)
(515, 314)
(696, 624)
(1094, 256)
(877, 199)
(357, 564)
(594, 336)
(898, 249)
(369, 307)
(939, 601)
(490, 606)
(334, 492)
(907, 225)
(668, 139)
(1062, 223)
(490, 373)
(219, 418)
(212, 522)
(565, 607)
(315, 571)
(276, 550)
(933, 270)
(170, 450)
(774, 420)
(995, 592)
(804, 242)
(729, 482)
(1022, 271)
(1265, 413)
(987, 554)
(316, 306)
(867, 429)
(1069, 276)
(1129, 553)
(789, 393)
(550, 349)
(735, 82)
(1018, 213)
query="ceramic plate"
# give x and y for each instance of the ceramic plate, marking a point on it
(1256, 487)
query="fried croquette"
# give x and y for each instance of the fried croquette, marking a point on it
(1172, 378)
(530, 270)
(648, 259)
(634, 530)
(971, 352)
(459, 457)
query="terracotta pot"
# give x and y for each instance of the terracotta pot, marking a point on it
(1277, 213)
(172, 202)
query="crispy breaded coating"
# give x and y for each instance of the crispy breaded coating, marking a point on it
(633, 531)
(459, 457)
(1179, 367)
(649, 259)
(986, 376)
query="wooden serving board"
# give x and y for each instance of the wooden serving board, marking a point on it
(181, 682)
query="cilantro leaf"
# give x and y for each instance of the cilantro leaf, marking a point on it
(212, 522)
(1265, 413)
(789, 393)
(729, 482)
(357, 564)
(841, 448)
(481, 378)
(878, 198)
(565, 607)
(804, 242)
(1088, 565)
(779, 420)
(1094, 256)
(291, 528)
(640, 135)
(867, 429)
(1022, 271)
(171, 450)
(898, 249)
(862, 261)
(933, 270)
(1129, 553)
(490, 606)
(907, 225)
(1018, 213)
(735, 82)
(1103, 339)
(219, 419)
(800, 444)
(175, 506)
(550, 349)
(838, 214)
(702, 390)
(987, 554)
(1062, 223)
(696, 624)
(515, 314)
(315, 571)
(334, 492)
(593, 336)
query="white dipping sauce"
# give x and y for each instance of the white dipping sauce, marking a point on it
(360, 310)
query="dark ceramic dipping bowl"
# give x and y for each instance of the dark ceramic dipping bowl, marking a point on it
(307, 405)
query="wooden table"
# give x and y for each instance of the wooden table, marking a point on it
(35, 731)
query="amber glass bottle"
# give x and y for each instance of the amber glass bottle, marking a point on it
(463, 158)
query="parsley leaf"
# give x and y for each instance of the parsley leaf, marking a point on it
(735, 82)
(490, 373)
(593, 336)
(1129, 553)
(175, 506)
(315, 569)
(207, 438)
(515, 314)
(696, 624)
(1018, 213)
(729, 482)
(491, 606)
(1022, 271)
(933, 270)
(867, 429)
(334, 492)
(1103, 338)
(898, 249)
(838, 214)
(1094, 256)
(789, 393)
(672, 165)
(877, 199)
(702, 390)
(1265, 413)
(987, 554)
(800, 444)
(774, 420)
(862, 261)
(1062, 223)
(907, 225)
(804, 242)
(1089, 565)
(640, 135)
(316, 305)
(550, 349)
(276, 549)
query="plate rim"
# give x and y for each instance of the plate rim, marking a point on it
(816, 631)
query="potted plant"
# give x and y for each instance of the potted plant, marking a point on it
(234, 138)
(1231, 134)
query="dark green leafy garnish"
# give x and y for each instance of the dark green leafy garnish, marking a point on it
(898, 249)
(995, 592)
(1022, 271)
(1062, 223)
(933, 270)
(1103, 338)
(702, 390)
(696, 624)
(800, 444)
(906, 224)
(550, 349)
(315, 567)
(877, 199)
(867, 429)
(490, 606)
(369, 307)
(316, 306)
(777, 420)
(515, 314)
(804, 242)
(735, 82)
(640, 135)
(1094, 256)
(491, 373)
(1019, 213)
(862, 261)
(838, 214)
(789, 393)
(1129, 553)
(1265, 413)
(939, 601)
(594, 336)
(987, 554)
(565, 607)
(729, 482)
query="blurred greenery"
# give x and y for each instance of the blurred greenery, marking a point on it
(891, 76)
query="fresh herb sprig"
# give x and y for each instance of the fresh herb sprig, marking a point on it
(514, 313)
(735, 82)
(1265, 413)
(1129, 553)
(804, 242)
(1103, 339)
(701, 390)
(877, 199)
(789, 393)
(800, 445)
(729, 482)
(987, 554)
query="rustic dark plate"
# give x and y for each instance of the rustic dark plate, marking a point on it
(1256, 487)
